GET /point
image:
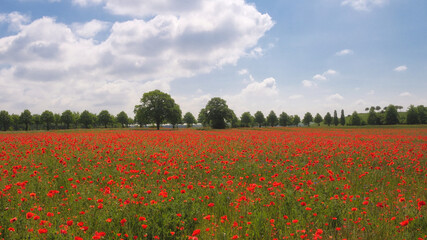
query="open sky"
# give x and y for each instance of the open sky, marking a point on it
(281, 55)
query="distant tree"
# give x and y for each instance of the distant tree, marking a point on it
(15, 118)
(259, 118)
(296, 120)
(203, 118)
(37, 120)
(367, 109)
(399, 108)
(67, 117)
(308, 118)
(391, 115)
(217, 114)
(412, 115)
(123, 119)
(86, 118)
(76, 117)
(328, 119)
(104, 118)
(422, 114)
(272, 119)
(26, 118)
(342, 118)
(235, 122)
(377, 108)
(158, 107)
(189, 119)
(175, 116)
(284, 119)
(56, 120)
(246, 119)
(355, 119)
(5, 120)
(335, 120)
(372, 117)
(48, 118)
(318, 119)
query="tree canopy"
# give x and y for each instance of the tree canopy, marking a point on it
(216, 113)
(158, 107)
(189, 119)
(259, 118)
(308, 118)
(272, 119)
(48, 118)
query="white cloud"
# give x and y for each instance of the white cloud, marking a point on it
(15, 20)
(243, 72)
(296, 96)
(90, 29)
(364, 5)
(176, 42)
(401, 68)
(323, 76)
(334, 97)
(360, 102)
(405, 94)
(256, 95)
(344, 52)
(371, 92)
(308, 83)
(84, 3)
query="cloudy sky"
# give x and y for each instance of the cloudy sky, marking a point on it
(292, 56)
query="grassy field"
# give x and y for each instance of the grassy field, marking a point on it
(278, 183)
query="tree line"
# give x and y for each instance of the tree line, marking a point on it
(159, 108)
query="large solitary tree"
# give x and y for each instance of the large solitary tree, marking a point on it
(158, 107)
(216, 113)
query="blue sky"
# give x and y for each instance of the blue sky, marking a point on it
(292, 56)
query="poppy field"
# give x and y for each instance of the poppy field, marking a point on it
(279, 183)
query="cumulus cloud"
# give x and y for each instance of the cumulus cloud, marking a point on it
(334, 97)
(256, 95)
(243, 71)
(363, 5)
(15, 20)
(178, 40)
(308, 83)
(405, 94)
(90, 29)
(401, 68)
(344, 52)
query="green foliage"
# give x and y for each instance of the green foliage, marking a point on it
(391, 115)
(355, 119)
(86, 118)
(412, 115)
(296, 120)
(5, 120)
(123, 119)
(67, 118)
(104, 118)
(202, 117)
(373, 119)
(284, 119)
(272, 119)
(318, 119)
(259, 118)
(26, 118)
(37, 120)
(216, 113)
(246, 119)
(328, 119)
(158, 107)
(308, 118)
(335, 120)
(342, 118)
(422, 114)
(189, 119)
(48, 118)
(175, 116)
